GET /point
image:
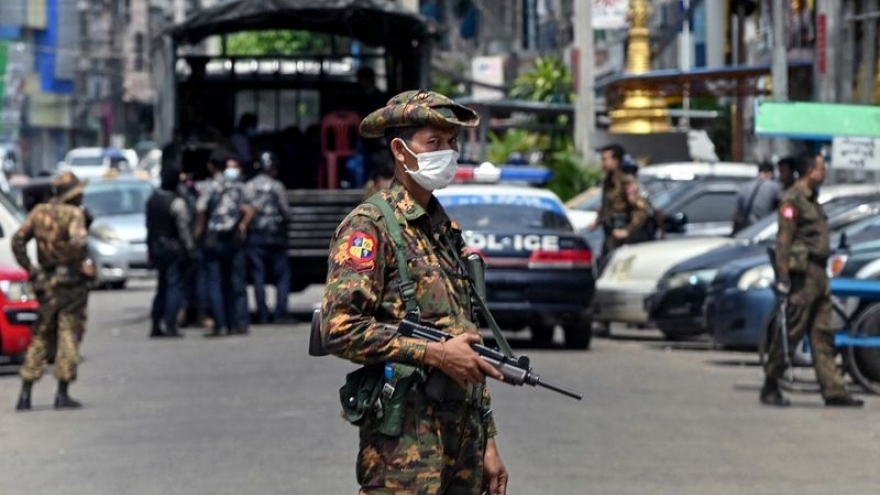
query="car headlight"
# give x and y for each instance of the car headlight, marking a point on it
(692, 278)
(759, 277)
(19, 291)
(105, 233)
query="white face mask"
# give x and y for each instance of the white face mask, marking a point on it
(436, 168)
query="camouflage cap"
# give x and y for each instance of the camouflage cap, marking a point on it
(68, 186)
(416, 109)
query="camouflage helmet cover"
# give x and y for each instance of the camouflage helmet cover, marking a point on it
(68, 186)
(418, 108)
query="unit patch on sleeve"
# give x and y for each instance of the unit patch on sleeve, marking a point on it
(361, 248)
(788, 212)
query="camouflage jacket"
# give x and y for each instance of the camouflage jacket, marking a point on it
(804, 236)
(60, 232)
(269, 199)
(363, 282)
(221, 199)
(623, 206)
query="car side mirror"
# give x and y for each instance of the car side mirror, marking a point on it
(675, 223)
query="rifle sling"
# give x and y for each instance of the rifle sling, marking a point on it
(407, 288)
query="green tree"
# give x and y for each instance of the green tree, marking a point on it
(276, 42)
(549, 81)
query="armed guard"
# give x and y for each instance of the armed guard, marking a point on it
(624, 210)
(802, 250)
(267, 237)
(395, 256)
(171, 250)
(61, 283)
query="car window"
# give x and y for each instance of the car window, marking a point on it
(86, 161)
(710, 206)
(12, 207)
(117, 198)
(502, 212)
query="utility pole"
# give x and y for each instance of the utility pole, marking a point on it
(869, 52)
(685, 60)
(584, 100)
(827, 38)
(780, 69)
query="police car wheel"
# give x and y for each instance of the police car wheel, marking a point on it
(542, 334)
(578, 335)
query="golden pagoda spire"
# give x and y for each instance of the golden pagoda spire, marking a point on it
(643, 111)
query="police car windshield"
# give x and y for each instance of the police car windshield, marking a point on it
(507, 217)
(117, 198)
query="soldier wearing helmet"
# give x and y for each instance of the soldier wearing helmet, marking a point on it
(61, 282)
(266, 244)
(435, 444)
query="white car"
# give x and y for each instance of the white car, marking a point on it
(632, 271)
(91, 163)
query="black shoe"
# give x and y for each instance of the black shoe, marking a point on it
(845, 401)
(63, 400)
(242, 330)
(173, 332)
(24, 399)
(772, 396)
(156, 331)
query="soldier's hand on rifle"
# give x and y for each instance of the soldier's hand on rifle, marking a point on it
(457, 360)
(620, 234)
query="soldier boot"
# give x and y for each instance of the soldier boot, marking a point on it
(845, 401)
(771, 395)
(24, 399)
(63, 400)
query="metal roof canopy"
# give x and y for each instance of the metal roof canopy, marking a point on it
(374, 22)
(816, 121)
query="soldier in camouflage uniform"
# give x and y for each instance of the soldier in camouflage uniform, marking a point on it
(444, 446)
(802, 250)
(267, 239)
(61, 284)
(223, 219)
(623, 210)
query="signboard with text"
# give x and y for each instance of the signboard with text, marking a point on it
(855, 153)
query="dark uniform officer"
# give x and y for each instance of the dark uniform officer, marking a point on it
(267, 238)
(623, 210)
(443, 446)
(802, 250)
(61, 284)
(171, 250)
(223, 219)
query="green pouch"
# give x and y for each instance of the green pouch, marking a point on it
(400, 381)
(360, 394)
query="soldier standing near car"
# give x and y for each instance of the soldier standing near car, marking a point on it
(802, 250)
(267, 238)
(171, 249)
(623, 210)
(223, 219)
(436, 444)
(61, 282)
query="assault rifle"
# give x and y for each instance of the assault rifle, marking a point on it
(516, 371)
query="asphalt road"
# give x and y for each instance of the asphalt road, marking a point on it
(257, 415)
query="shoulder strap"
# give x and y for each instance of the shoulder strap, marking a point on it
(407, 289)
(751, 203)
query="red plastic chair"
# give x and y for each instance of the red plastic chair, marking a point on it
(339, 132)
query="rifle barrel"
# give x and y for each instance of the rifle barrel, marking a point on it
(561, 390)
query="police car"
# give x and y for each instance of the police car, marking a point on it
(539, 270)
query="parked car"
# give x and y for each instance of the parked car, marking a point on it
(118, 234)
(740, 299)
(18, 312)
(633, 271)
(539, 271)
(655, 179)
(89, 163)
(677, 305)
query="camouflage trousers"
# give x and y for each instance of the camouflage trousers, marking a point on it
(61, 320)
(440, 451)
(809, 310)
